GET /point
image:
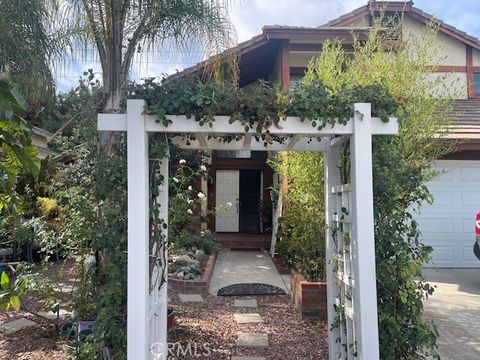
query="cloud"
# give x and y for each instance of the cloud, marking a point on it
(250, 15)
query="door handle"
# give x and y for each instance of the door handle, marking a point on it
(237, 206)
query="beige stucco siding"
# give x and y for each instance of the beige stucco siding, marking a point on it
(476, 57)
(449, 84)
(450, 52)
(362, 22)
(301, 58)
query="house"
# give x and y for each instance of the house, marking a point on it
(281, 54)
(40, 139)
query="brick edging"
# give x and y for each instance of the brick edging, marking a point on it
(197, 285)
(308, 297)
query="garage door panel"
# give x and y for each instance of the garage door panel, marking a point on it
(468, 226)
(446, 175)
(443, 254)
(438, 225)
(468, 255)
(471, 198)
(469, 173)
(448, 224)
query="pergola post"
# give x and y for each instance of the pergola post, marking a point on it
(138, 233)
(161, 320)
(365, 300)
(331, 177)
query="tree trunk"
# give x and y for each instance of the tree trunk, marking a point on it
(114, 79)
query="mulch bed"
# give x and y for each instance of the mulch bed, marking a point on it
(42, 342)
(211, 323)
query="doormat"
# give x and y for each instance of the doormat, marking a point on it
(250, 289)
(245, 249)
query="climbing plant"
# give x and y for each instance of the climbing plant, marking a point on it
(401, 167)
(260, 105)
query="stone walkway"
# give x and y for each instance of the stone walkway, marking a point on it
(237, 267)
(245, 328)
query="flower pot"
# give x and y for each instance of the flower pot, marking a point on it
(170, 318)
(85, 328)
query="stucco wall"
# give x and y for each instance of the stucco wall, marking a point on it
(450, 51)
(449, 84)
(301, 58)
(476, 58)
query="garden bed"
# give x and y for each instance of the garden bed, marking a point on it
(309, 298)
(197, 285)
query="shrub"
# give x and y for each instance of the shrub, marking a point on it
(404, 333)
(203, 240)
(48, 208)
(302, 241)
(301, 233)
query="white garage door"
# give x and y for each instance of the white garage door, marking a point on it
(449, 224)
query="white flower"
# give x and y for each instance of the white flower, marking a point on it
(190, 211)
(190, 188)
(203, 168)
(189, 201)
(201, 196)
(182, 161)
(229, 204)
(175, 180)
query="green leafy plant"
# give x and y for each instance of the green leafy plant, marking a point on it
(17, 155)
(10, 295)
(48, 208)
(398, 190)
(260, 105)
(301, 226)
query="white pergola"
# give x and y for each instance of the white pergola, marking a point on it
(351, 278)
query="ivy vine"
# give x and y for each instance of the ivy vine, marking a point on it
(261, 104)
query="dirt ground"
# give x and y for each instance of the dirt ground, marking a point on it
(209, 324)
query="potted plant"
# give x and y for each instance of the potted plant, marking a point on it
(265, 209)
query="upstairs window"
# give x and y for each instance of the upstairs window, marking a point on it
(294, 79)
(476, 83)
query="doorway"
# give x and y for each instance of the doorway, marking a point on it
(241, 188)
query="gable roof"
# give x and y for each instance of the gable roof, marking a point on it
(260, 47)
(406, 7)
(255, 49)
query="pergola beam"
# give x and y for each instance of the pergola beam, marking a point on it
(291, 126)
(293, 141)
(201, 143)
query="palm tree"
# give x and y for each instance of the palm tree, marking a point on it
(119, 29)
(27, 47)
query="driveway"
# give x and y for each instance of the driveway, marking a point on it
(455, 308)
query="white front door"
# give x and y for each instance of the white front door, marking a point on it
(227, 191)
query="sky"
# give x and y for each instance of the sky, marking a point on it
(248, 17)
